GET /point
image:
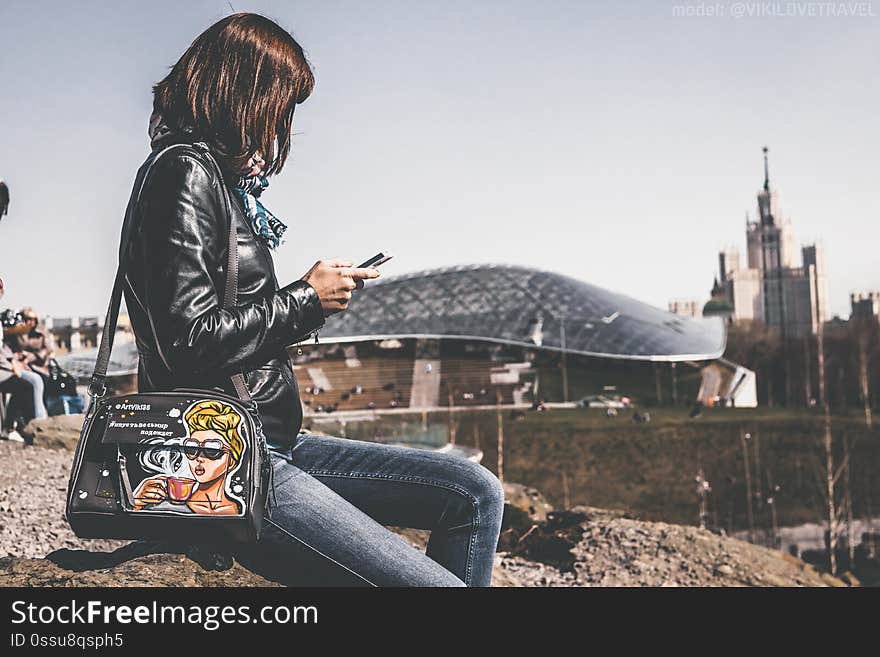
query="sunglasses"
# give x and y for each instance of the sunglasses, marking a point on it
(212, 449)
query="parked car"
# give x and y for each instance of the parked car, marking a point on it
(604, 401)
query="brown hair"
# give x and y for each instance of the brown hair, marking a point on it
(236, 86)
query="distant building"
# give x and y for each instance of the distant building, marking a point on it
(686, 307)
(772, 287)
(71, 334)
(837, 327)
(864, 305)
(728, 384)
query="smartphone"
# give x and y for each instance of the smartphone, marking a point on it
(376, 260)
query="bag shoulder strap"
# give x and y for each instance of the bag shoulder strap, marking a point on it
(97, 386)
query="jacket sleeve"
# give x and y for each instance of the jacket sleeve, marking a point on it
(185, 230)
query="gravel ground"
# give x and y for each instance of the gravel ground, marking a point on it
(579, 547)
(33, 485)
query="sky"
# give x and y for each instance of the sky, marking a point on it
(615, 142)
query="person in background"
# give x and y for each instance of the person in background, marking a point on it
(6, 374)
(34, 345)
(8, 383)
(24, 386)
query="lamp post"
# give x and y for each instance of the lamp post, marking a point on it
(745, 438)
(500, 435)
(674, 385)
(564, 362)
(774, 522)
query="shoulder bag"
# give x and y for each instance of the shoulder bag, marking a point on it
(185, 464)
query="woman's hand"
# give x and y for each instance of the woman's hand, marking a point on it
(335, 280)
(150, 491)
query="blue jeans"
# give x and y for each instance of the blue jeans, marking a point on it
(333, 496)
(36, 381)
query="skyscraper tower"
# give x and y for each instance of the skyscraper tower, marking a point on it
(770, 248)
(770, 238)
(772, 287)
(766, 199)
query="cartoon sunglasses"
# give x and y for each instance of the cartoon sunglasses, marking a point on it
(212, 449)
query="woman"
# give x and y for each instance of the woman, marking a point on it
(235, 89)
(33, 344)
(213, 449)
(18, 375)
(25, 400)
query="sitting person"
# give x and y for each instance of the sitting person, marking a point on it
(33, 344)
(26, 388)
(24, 385)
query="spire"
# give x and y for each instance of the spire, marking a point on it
(766, 171)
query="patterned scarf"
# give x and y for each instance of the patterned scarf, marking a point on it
(265, 225)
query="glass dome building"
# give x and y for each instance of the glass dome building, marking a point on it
(525, 307)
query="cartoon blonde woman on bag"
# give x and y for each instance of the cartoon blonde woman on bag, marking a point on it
(213, 448)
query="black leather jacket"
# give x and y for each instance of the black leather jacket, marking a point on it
(175, 275)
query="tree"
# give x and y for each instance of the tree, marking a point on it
(829, 455)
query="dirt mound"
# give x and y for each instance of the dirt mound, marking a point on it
(593, 547)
